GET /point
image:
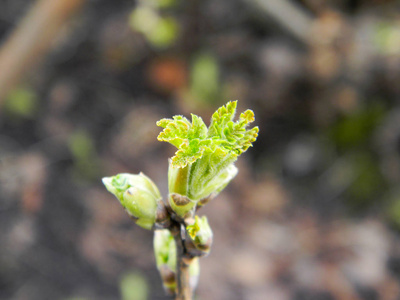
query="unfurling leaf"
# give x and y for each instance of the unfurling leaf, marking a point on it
(223, 137)
(204, 161)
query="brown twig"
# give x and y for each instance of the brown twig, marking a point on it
(183, 290)
(32, 39)
(289, 15)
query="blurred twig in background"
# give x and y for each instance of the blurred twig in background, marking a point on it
(288, 15)
(31, 39)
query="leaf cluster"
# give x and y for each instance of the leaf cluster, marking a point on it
(224, 137)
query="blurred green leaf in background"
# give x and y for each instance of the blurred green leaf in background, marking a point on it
(83, 150)
(133, 286)
(205, 78)
(354, 130)
(160, 31)
(21, 103)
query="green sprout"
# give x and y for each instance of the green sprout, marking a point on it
(204, 161)
(202, 167)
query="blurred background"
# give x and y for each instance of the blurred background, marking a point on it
(314, 212)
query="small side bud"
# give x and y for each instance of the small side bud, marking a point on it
(165, 254)
(199, 237)
(138, 195)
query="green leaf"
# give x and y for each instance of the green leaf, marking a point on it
(221, 118)
(223, 138)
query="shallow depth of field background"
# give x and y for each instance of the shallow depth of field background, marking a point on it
(314, 212)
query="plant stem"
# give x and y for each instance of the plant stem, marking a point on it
(183, 290)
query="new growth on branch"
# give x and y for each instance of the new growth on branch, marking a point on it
(202, 167)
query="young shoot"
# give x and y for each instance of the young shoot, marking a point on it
(202, 167)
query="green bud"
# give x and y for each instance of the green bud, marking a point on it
(200, 235)
(164, 248)
(165, 254)
(138, 195)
